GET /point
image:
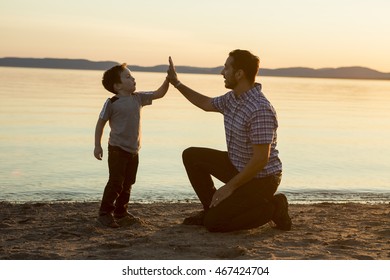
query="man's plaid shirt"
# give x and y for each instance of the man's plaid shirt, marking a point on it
(249, 119)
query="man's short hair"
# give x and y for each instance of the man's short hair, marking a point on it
(113, 76)
(247, 62)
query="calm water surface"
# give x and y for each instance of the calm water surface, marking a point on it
(333, 136)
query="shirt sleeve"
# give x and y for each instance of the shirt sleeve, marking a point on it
(263, 125)
(219, 103)
(106, 110)
(146, 97)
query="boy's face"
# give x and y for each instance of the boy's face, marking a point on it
(127, 82)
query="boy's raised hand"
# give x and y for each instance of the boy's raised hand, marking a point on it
(172, 75)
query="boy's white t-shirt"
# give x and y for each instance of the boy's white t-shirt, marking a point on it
(124, 116)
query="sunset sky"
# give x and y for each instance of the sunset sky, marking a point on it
(283, 33)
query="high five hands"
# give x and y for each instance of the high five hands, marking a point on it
(172, 75)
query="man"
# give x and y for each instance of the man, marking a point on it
(251, 168)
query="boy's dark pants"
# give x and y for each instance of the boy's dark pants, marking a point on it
(247, 207)
(123, 170)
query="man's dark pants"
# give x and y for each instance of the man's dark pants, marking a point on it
(247, 207)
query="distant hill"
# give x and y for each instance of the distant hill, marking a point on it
(57, 63)
(83, 64)
(337, 73)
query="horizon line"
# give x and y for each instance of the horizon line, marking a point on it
(204, 67)
(346, 72)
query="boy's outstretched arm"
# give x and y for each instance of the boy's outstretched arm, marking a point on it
(98, 151)
(162, 90)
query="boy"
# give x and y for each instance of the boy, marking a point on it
(123, 111)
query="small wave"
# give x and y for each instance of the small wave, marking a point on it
(294, 197)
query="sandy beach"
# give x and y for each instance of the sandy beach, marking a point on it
(324, 231)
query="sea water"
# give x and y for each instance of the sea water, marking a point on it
(333, 136)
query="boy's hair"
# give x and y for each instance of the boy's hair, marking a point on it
(247, 62)
(113, 76)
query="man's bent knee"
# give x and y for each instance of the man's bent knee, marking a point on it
(189, 153)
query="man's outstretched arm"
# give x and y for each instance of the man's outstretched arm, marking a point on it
(196, 98)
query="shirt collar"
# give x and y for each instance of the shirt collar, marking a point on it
(248, 94)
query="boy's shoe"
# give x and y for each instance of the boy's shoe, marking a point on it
(127, 219)
(281, 217)
(125, 214)
(108, 221)
(197, 219)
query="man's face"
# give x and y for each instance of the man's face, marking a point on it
(228, 73)
(127, 81)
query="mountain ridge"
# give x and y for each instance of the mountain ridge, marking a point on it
(354, 72)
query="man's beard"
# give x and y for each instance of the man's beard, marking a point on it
(230, 84)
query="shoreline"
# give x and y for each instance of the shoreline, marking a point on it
(299, 196)
(68, 231)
